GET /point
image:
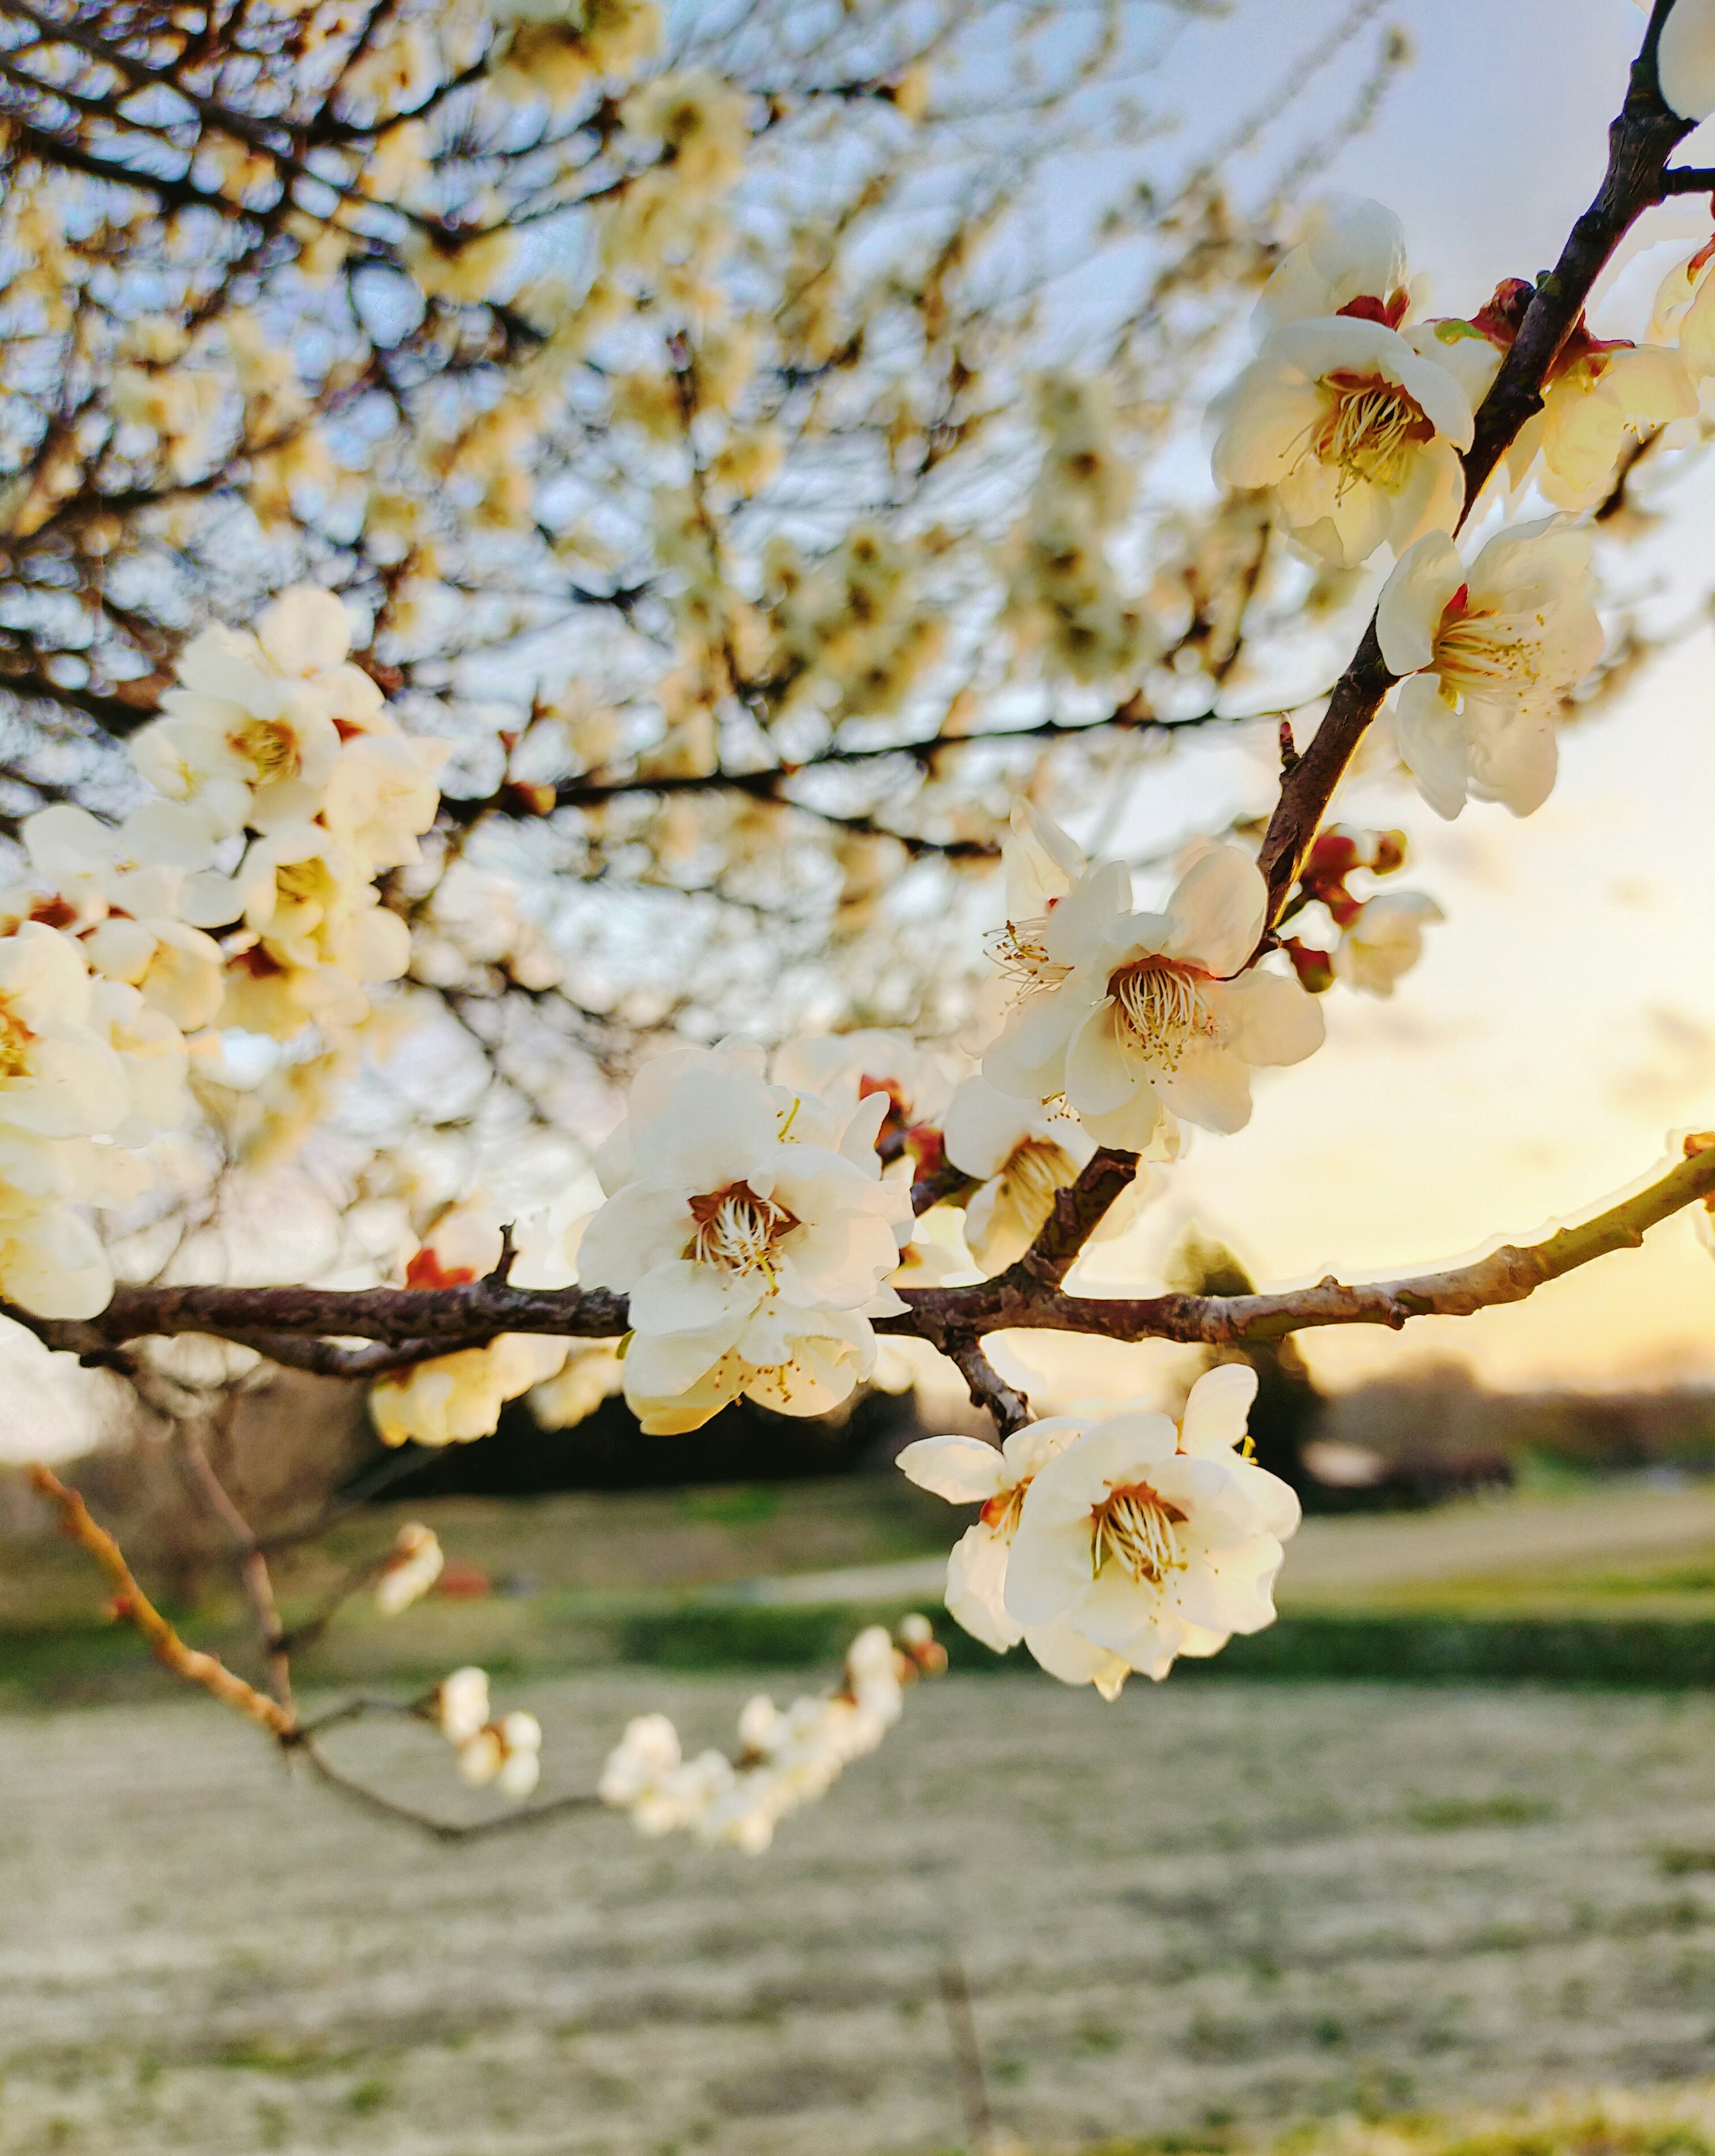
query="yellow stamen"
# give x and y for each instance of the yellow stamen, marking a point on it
(737, 1230)
(1370, 427)
(1476, 651)
(1162, 1006)
(1034, 1171)
(1135, 1527)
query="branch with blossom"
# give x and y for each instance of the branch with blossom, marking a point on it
(784, 1760)
(765, 1223)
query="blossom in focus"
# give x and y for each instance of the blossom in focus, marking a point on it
(1019, 1157)
(1384, 940)
(1351, 261)
(966, 1471)
(1138, 1017)
(1358, 435)
(1489, 652)
(751, 1232)
(413, 1566)
(1139, 1542)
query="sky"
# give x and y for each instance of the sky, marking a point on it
(1563, 1024)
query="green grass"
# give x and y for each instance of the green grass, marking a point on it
(84, 1664)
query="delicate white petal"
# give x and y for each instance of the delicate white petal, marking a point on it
(1414, 599)
(982, 1126)
(976, 1583)
(1215, 915)
(963, 1469)
(1216, 1410)
(1210, 1086)
(1269, 1018)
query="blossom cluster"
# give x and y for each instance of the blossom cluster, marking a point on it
(787, 1758)
(504, 1750)
(1354, 419)
(239, 895)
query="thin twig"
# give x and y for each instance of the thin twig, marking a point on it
(252, 1565)
(130, 1605)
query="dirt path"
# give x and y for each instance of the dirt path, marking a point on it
(1206, 1904)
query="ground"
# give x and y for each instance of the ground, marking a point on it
(1205, 1910)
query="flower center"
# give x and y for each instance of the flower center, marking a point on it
(737, 1230)
(1476, 651)
(268, 745)
(1370, 427)
(15, 1038)
(1161, 1006)
(1134, 1527)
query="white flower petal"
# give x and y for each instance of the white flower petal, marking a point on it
(1414, 599)
(1215, 915)
(1216, 1410)
(963, 1469)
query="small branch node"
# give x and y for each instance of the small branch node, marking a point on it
(502, 1272)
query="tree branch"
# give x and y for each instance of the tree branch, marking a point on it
(420, 1322)
(134, 1607)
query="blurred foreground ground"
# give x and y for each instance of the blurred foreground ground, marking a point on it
(1202, 1911)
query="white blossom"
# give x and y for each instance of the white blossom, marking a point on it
(51, 1260)
(1144, 1542)
(787, 1758)
(750, 1257)
(1589, 407)
(1134, 1019)
(1358, 435)
(506, 1752)
(58, 1077)
(453, 1398)
(459, 1704)
(1685, 313)
(646, 1776)
(1489, 652)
